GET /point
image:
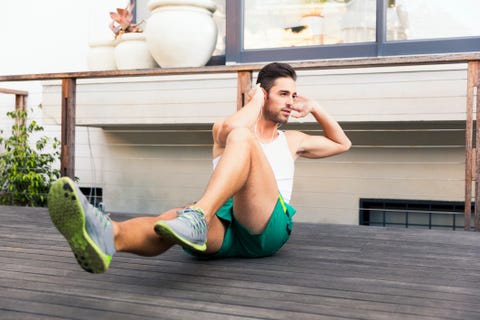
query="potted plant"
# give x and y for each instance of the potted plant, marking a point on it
(131, 50)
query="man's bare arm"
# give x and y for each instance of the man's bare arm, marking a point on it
(334, 140)
(243, 118)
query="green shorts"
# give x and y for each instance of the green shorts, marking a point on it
(240, 242)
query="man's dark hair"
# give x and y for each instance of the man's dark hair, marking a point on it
(272, 71)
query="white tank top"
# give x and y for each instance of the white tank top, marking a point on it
(282, 163)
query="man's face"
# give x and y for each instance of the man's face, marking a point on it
(280, 99)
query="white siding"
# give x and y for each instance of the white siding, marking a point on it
(162, 100)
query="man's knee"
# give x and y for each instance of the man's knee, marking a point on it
(240, 135)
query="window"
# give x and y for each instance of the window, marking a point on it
(422, 19)
(270, 30)
(412, 214)
(294, 23)
(275, 30)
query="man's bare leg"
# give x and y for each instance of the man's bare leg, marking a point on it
(245, 173)
(137, 236)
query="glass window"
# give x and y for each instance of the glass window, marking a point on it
(292, 23)
(432, 19)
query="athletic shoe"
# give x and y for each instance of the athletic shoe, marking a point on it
(88, 230)
(189, 229)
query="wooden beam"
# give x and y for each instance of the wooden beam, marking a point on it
(345, 63)
(471, 75)
(244, 84)
(15, 92)
(67, 161)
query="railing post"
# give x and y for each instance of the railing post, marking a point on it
(472, 75)
(476, 84)
(20, 105)
(67, 161)
(244, 84)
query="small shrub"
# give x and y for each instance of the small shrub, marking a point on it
(26, 168)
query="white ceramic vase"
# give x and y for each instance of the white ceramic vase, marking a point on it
(181, 33)
(131, 52)
(100, 55)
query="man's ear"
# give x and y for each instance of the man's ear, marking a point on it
(265, 92)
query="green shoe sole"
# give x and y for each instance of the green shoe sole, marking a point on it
(68, 217)
(165, 231)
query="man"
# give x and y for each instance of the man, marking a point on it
(244, 209)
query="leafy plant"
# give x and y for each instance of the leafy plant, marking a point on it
(122, 21)
(26, 168)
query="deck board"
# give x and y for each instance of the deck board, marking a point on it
(324, 272)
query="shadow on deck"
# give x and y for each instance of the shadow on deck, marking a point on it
(324, 272)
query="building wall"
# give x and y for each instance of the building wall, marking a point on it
(150, 141)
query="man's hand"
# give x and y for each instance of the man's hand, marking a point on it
(303, 106)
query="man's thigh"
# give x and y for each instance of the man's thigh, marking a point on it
(254, 203)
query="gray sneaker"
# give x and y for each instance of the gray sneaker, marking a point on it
(189, 229)
(88, 230)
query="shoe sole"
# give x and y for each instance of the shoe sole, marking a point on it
(165, 231)
(68, 216)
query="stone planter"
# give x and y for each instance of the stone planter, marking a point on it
(181, 33)
(100, 56)
(131, 52)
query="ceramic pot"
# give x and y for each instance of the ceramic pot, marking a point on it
(131, 52)
(101, 56)
(181, 33)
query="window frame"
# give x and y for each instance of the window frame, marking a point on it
(235, 53)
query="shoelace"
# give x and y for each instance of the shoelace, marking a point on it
(194, 218)
(101, 215)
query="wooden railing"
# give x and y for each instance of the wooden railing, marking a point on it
(20, 101)
(244, 82)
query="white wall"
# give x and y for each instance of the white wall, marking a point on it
(49, 36)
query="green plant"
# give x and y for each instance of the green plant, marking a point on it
(122, 21)
(26, 168)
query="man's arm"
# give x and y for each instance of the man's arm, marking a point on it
(334, 140)
(243, 118)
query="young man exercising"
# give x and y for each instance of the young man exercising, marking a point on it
(244, 210)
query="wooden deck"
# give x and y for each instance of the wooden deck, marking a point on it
(324, 272)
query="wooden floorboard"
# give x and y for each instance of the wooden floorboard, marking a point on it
(324, 272)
